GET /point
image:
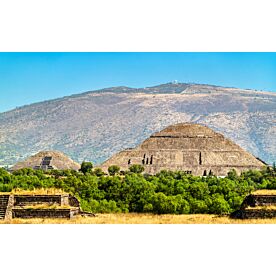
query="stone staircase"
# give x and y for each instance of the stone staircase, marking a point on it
(4, 199)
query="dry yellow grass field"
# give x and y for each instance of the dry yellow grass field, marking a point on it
(143, 219)
(41, 191)
(264, 192)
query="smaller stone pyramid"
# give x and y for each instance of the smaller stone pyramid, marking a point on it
(48, 160)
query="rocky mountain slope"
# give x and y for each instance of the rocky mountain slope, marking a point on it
(96, 124)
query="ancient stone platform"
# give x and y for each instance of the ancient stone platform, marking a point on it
(257, 206)
(38, 206)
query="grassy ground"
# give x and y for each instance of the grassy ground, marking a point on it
(264, 192)
(143, 219)
(41, 191)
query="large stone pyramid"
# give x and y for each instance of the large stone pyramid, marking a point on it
(48, 160)
(193, 148)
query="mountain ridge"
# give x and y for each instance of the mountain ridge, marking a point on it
(136, 90)
(94, 125)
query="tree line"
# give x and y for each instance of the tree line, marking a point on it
(132, 191)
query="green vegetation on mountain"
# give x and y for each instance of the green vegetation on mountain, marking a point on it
(164, 193)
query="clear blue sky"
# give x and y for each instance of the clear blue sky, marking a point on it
(31, 77)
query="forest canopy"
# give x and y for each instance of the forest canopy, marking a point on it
(164, 193)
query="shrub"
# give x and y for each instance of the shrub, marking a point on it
(232, 175)
(86, 167)
(163, 204)
(198, 206)
(98, 172)
(136, 168)
(112, 170)
(219, 205)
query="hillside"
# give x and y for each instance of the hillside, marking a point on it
(96, 124)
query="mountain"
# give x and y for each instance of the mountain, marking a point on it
(96, 124)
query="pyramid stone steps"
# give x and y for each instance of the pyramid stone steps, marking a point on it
(4, 199)
(256, 206)
(254, 214)
(259, 200)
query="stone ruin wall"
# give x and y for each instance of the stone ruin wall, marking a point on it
(253, 214)
(22, 200)
(43, 213)
(249, 208)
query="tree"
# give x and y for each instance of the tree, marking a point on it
(232, 174)
(163, 204)
(198, 206)
(219, 205)
(114, 169)
(86, 167)
(136, 168)
(98, 172)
